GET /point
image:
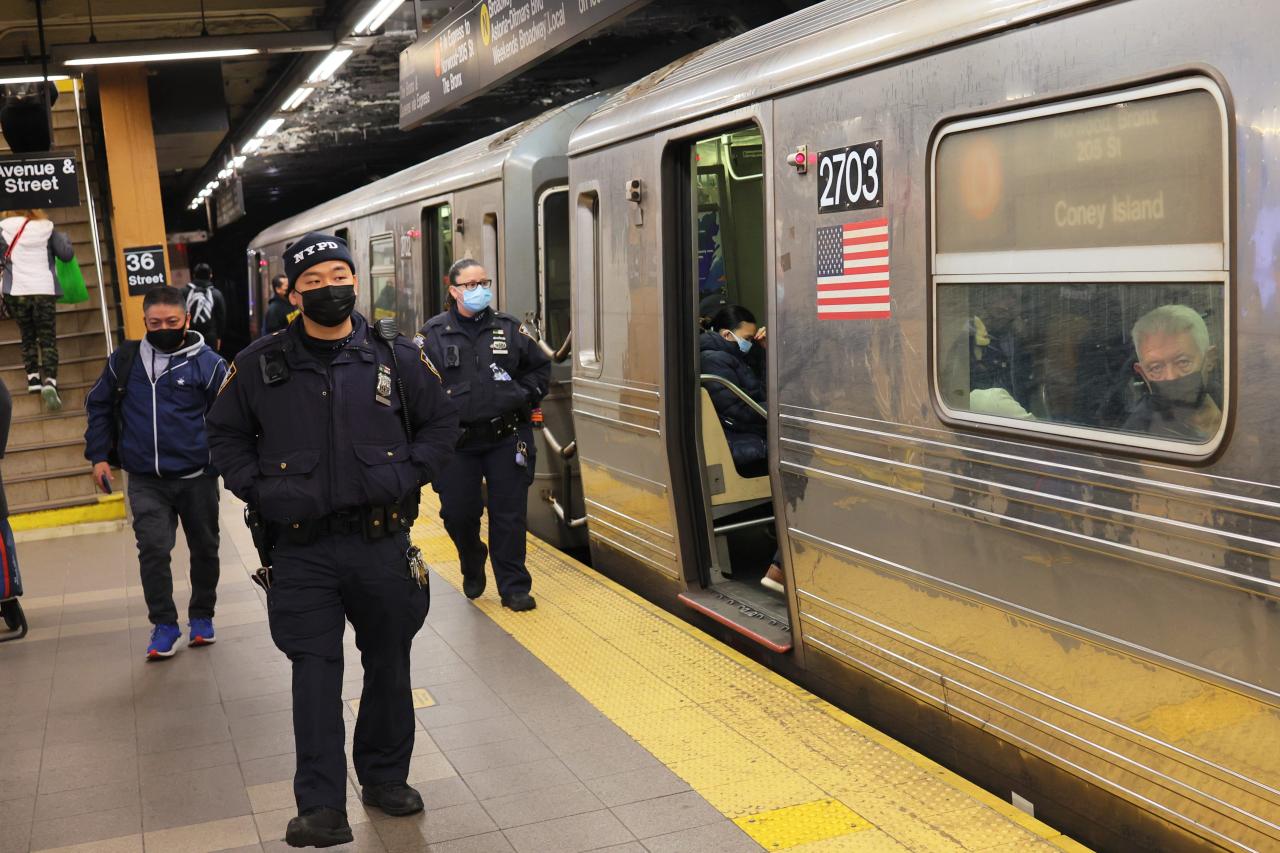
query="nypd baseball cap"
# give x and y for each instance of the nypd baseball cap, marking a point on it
(311, 249)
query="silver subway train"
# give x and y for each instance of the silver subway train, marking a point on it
(1018, 264)
(503, 200)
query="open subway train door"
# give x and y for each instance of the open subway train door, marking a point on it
(722, 241)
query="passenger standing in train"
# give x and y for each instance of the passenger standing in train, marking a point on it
(496, 374)
(328, 432)
(1176, 361)
(279, 311)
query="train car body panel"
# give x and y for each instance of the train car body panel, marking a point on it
(1107, 607)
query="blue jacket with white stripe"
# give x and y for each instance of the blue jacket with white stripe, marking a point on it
(167, 396)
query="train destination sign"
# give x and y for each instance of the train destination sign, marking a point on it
(39, 180)
(1145, 172)
(483, 44)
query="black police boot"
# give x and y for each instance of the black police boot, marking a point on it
(473, 575)
(318, 827)
(519, 601)
(394, 798)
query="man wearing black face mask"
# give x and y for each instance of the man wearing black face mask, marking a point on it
(329, 434)
(1176, 361)
(147, 414)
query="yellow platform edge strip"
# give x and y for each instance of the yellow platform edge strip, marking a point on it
(808, 820)
(105, 508)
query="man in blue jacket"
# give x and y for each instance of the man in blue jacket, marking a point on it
(148, 411)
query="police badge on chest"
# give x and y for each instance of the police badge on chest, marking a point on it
(499, 345)
(382, 391)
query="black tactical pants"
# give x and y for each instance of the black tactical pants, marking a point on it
(508, 493)
(157, 504)
(315, 590)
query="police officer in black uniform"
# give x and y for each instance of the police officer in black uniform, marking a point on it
(496, 374)
(328, 430)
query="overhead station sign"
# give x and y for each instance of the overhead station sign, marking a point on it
(39, 180)
(483, 44)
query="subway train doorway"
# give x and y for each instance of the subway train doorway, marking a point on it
(437, 257)
(719, 301)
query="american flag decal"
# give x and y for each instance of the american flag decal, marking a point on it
(853, 271)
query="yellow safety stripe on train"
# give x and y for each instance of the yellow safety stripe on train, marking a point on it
(794, 772)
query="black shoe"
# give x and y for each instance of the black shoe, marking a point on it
(473, 575)
(318, 827)
(520, 601)
(394, 798)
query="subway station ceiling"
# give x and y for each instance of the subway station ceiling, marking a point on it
(347, 134)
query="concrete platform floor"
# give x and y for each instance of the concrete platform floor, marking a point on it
(104, 751)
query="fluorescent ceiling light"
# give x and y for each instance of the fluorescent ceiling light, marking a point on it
(164, 57)
(251, 146)
(295, 100)
(269, 127)
(377, 16)
(6, 81)
(330, 65)
(211, 186)
(238, 161)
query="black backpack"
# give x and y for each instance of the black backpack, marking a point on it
(126, 355)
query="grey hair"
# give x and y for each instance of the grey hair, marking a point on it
(1171, 320)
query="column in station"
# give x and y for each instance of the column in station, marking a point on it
(137, 213)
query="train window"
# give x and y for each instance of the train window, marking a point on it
(437, 226)
(489, 250)
(553, 264)
(382, 276)
(586, 262)
(1080, 266)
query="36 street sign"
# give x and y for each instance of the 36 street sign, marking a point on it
(483, 44)
(39, 180)
(144, 269)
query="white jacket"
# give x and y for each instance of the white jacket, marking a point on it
(30, 270)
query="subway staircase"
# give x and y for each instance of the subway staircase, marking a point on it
(46, 478)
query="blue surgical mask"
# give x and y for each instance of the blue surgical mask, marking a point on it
(477, 300)
(743, 344)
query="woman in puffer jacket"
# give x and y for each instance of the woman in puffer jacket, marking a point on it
(29, 244)
(724, 349)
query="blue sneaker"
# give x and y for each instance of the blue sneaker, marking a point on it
(202, 633)
(163, 638)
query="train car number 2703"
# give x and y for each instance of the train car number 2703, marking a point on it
(850, 178)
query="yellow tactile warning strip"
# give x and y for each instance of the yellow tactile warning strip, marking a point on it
(105, 508)
(791, 770)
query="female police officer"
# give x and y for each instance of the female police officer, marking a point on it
(496, 374)
(309, 430)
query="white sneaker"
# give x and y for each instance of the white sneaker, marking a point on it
(50, 394)
(33, 383)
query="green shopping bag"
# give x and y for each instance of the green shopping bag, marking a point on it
(74, 290)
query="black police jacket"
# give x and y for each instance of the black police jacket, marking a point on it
(489, 363)
(325, 438)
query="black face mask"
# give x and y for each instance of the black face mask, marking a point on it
(166, 340)
(329, 306)
(1184, 392)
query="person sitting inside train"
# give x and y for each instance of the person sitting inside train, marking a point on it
(1176, 361)
(724, 348)
(1002, 374)
(983, 357)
